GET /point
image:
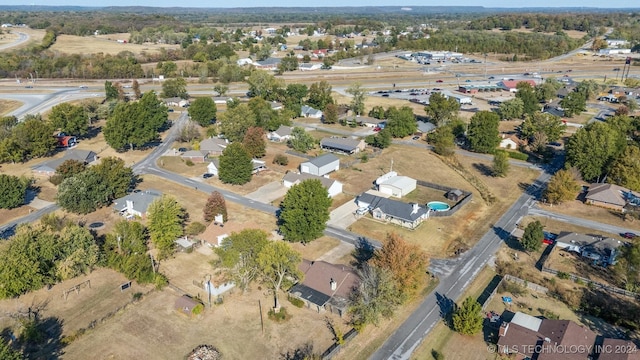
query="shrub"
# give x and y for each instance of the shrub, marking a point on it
(137, 296)
(279, 316)
(56, 179)
(563, 275)
(518, 155)
(281, 159)
(160, 281)
(437, 355)
(364, 158)
(188, 162)
(296, 302)
(198, 309)
(195, 228)
(511, 287)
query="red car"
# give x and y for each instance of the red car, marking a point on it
(377, 128)
(439, 81)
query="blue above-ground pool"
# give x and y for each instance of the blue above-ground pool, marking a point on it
(438, 206)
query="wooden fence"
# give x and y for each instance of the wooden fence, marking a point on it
(467, 196)
(591, 283)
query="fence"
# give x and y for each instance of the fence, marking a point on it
(467, 197)
(529, 285)
(592, 283)
(334, 349)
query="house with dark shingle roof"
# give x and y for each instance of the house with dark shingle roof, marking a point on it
(268, 64)
(408, 215)
(48, 168)
(601, 250)
(339, 145)
(326, 287)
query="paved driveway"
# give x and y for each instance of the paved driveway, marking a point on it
(268, 193)
(343, 216)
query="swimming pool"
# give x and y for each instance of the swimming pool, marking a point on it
(438, 206)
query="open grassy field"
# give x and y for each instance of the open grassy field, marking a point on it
(579, 209)
(7, 106)
(106, 44)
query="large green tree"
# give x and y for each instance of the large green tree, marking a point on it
(574, 103)
(467, 318)
(500, 163)
(110, 91)
(13, 191)
(254, 142)
(83, 193)
(304, 211)
(443, 141)
(628, 266)
(263, 84)
(441, 108)
(33, 138)
(166, 219)
(593, 148)
(235, 121)
(527, 94)
(358, 97)
(7, 353)
(235, 165)
(203, 110)
(278, 265)
(175, 88)
(625, 170)
(511, 109)
(70, 119)
(483, 132)
(238, 255)
(301, 140)
(320, 95)
(546, 123)
(533, 236)
(401, 122)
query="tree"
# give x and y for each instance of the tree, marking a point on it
(264, 84)
(547, 91)
(216, 205)
(7, 353)
(239, 253)
(593, 148)
(136, 89)
(301, 140)
(188, 132)
(117, 177)
(483, 132)
(166, 223)
(235, 121)
(175, 88)
(110, 91)
(589, 89)
(320, 95)
(443, 141)
(628, 266)
(533, 236)
(625, 170)
(288, 63)
(574, 103)
(33, 138)
(376, 296)
(13, 191)
(69, 168)
(235, 165)
(511, 109)
(381, 140)
(500, 164)
(79, 252)
(563, 186)
(401, 122)
(527, 94)
(441, 108)
(467, 319)
(407, 262)
(278, 264)
(304, 211)
(71, 119)
(83, 193)
(294, 95)
(358, 94)
(377, 112)
(330, 115)
(221, 89)
(254, 142)
(546, 123)
(203, 111)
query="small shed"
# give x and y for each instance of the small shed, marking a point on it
(455, 195)
(184, 244)
(185, 304)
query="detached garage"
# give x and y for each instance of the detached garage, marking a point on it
(321, 165)
(397, 186)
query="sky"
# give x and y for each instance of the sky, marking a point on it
(298, 3)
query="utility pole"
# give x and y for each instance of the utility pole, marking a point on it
(153, 265)
(485, 65)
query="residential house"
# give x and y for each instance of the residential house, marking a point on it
(283, 133)
(614, 51)
(371, 122)
(564, 91)
(214, 166)
(218, 231)
(176, 101)
(214, 146)
(602, 251)
(616, 43)
(321, 165)
(609, 196)
(136, 203)
(425, 127)
(333, 187)
(244, 61)
(308, 111)
(326, 287)
(554, 108)
(185, 304)
(394, 185)
(347, 146)
(511, 85)
(618, 349)
(310, 66)
(461, 99)
(197, 156)
(268, 64)
(48, 168)
(510, 141)
(393, 211)
(276, 105)
(528, 337)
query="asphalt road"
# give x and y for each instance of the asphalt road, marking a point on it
(22, 37)
(612, 229)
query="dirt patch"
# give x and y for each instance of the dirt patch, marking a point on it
(7, 106)
(106, 44)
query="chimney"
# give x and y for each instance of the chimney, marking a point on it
(503, 329)
(333, 285)
(129, 205)
(415, 208)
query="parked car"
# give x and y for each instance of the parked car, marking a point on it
(467, 80)
(207, 175)
(439, 81)
(415, 138)
(83, 86)
(549, 238)
(182, 149)
(28, 87)
(629, 235)
(362, 211)
(377, 128)
(491, 77)
(385, 95)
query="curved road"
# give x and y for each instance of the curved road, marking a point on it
(22, 38)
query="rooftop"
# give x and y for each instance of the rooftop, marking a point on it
(323, 160)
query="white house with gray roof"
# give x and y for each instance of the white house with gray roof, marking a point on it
(283, 133)
(136, 204)
(49, 167)
(308, 111)
(214, 145)
(321, 165)
(333, 187)
(408, 215)
(395, 185)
